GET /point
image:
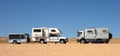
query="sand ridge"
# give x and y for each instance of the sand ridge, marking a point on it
(72, 48)
(59, 50)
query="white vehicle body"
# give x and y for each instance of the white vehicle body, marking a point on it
(47, 34)
(93, 34)
(18, 38)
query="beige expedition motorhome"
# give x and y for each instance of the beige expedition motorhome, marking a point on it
(44, 35)
(94, 34)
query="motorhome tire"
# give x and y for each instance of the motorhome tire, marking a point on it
(82, 41)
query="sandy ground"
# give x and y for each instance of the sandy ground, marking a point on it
(72, 48)
(60, 50)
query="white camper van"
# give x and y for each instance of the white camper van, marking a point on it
(93, 34)
(44, 35)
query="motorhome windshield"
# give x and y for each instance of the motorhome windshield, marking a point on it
(79, 34)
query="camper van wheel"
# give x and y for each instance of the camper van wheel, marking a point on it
(14, 42)
(42, 41)
(82, 41)
(62, 41)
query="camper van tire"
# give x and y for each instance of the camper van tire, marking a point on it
(15, 42)
(62, 41)
(82, 41)
(42, 41)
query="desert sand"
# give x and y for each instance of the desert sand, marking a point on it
(72, 48)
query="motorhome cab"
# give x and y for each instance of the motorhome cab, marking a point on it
(44, 35)
(18, 38)
(93, 34)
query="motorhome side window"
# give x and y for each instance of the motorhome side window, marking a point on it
(104, 31)
(79, 34)
(37, 30)
(53, 30)
(90, 32)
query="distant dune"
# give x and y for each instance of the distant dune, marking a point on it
(115, 40)
(3, 39)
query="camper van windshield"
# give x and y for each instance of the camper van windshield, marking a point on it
(22, 37)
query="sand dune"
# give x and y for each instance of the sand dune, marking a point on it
(115, 40)
(72, 48)
(51, 49)
(3, 39)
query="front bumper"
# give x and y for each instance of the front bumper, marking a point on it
(78, 40)
(66, 39)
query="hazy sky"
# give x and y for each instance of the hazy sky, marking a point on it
(20, 16)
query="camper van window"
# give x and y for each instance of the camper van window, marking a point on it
(14, 36)
(27, 35)
(37, 30)
(90, 32)
(53, 30)
(22, 37)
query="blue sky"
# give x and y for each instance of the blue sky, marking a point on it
(20, 16)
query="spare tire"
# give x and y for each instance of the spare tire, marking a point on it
(110, 35)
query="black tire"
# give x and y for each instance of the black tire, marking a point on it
(107, 41)
(18, 43)
(15, 42)
(99, 41)
(82, 41)
(42, 41)
(62, 42)
(110, 35)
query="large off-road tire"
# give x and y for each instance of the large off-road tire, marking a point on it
(62, 42)
(82, 41)
(99, 41)
(42, 41)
